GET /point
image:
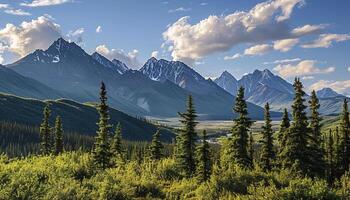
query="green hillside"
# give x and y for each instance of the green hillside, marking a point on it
(76, 117)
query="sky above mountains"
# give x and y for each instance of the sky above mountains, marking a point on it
(305, 38)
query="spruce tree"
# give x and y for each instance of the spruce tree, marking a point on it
(330, 158)
(185, 155)
(267, 151)
(317, 163)
(116, 146)
(45, 132)
(344, 144)
(251, 149)
(203, 167)
(295, 154)
(58, 136)
(156, 147)
(285, 124)
(102, 151)
(239, 139)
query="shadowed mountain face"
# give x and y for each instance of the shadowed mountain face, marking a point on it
(263, 86)
(159, 89)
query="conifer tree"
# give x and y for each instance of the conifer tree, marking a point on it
(317, 163)
(330, 158)
(267, 151)
(156, 147)
(185, 155)
(295, 154)
(344, 144)
(203, 167)
(251, 149)
(45, 132)
(285, 124)
(116, 146)
(338, 152)
(102, 151)
(58, 136)
(239, 139)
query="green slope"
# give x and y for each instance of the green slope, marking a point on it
(80, 118)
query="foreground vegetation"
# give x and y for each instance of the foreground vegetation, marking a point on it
(300, 162)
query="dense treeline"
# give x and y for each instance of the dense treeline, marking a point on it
(297, 162)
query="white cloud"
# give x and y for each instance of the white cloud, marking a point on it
(28, 36)
(98, 29)
(303, 68)
(203, 4)
(154, 54)
(40, 3)
(1, 59)
(308, 29)
(130, 58)
(283, 61)
(258, 49)
(236, 56)
(349, 69)
(76, 35)
(307, 77)
(285, 45)
(18, 12)
(2, 6)
(342, 87)
(180, 9)
(265, 22)
(326, 40)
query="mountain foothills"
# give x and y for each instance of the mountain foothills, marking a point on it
(263, 87)
(158, 89)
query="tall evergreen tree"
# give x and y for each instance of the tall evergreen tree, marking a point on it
(267, 151)
(251, 149)
(156, 147)
(330, 158)
(116, 146)
(285, 124)
(58, 136)
(45, 132)
(185, 155)
(102, 151)
(317, 163)
(296, 153)
(344, 144)
(203, 167)
(238, 142)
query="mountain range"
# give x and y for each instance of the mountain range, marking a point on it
(159, 89)
(263, 86)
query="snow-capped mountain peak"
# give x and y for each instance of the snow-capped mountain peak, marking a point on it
(228, 82)
(115, 64)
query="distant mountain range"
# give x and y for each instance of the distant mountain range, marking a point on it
(263, 86)
(159, 89)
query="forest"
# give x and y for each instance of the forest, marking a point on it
(301, 160)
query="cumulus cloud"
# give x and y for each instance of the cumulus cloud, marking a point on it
(303, 68)
(308, 29)
(154, 54)
(285, 45)
(265, 22)
(28, 36)
(326, 40)
(3, 5)
(76, 36)
(98, 29)
(130, 58)
(349, 69)
(284, 61)
(258, 49)
(1, 59)
(180, 9)
(236, 56)
(18, 12)
(40, 3)
(307, 77)
(342, 87)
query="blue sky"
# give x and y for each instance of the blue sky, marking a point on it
(240, 36)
